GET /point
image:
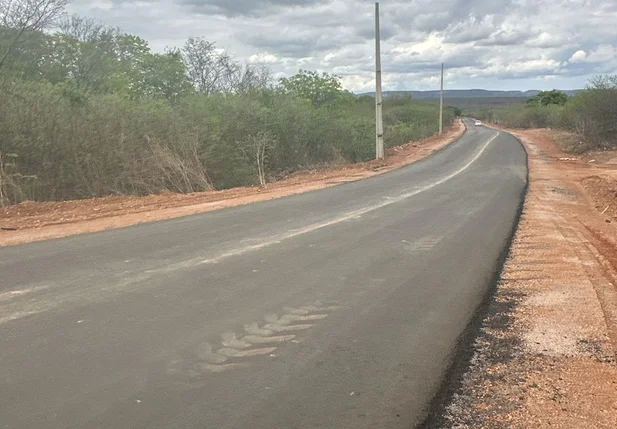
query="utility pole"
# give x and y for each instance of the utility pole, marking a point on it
(379, 152)
(441, 104)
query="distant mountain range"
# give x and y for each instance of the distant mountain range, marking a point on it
(464, 93)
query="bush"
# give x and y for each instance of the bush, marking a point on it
(57, 146)
(592, 114)
(520, 116)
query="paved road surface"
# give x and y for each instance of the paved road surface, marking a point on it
(337, 308)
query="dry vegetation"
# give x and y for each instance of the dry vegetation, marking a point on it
(31, 221)
(590, 116)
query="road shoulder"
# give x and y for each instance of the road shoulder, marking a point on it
(545, 352)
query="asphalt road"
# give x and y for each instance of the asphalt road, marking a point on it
(338, 308)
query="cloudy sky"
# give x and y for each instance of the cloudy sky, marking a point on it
(491, 44)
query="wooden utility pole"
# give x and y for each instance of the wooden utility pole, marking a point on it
(379, 152)
(441, 104)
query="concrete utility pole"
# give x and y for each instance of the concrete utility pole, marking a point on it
(441, 104)
(379, 152)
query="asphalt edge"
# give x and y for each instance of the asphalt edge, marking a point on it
(464, 350)
(387, 171)
(449, 144)
(444, 147)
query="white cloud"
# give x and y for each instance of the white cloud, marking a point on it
(263, 58)
(509, 44)
(578, 57)
(602, 54)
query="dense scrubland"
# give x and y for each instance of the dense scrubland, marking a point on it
(88, 111)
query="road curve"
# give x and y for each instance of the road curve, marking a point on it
(337, 308)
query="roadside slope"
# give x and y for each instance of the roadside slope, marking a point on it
(31, 221)
(545, 355)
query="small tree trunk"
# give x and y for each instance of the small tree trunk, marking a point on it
(260, 171)
(1, 182)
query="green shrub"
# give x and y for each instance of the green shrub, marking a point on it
(592, 114)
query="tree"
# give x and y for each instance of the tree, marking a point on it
(251, 77)
(593, 112)
(603, 83)
(208, 69)
(131, 55)
(320, 89)
(25, 58)
(255, 148)
(212, 71)
(162, 75)
(23, 17)
(82, 53)
(547, 98)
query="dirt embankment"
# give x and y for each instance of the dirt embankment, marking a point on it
(33, 221)
(545, 355)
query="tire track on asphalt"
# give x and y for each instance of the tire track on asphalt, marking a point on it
(257, 339)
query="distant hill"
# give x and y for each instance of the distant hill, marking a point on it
(464, 93)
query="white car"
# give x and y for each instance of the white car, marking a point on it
(478, 123)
